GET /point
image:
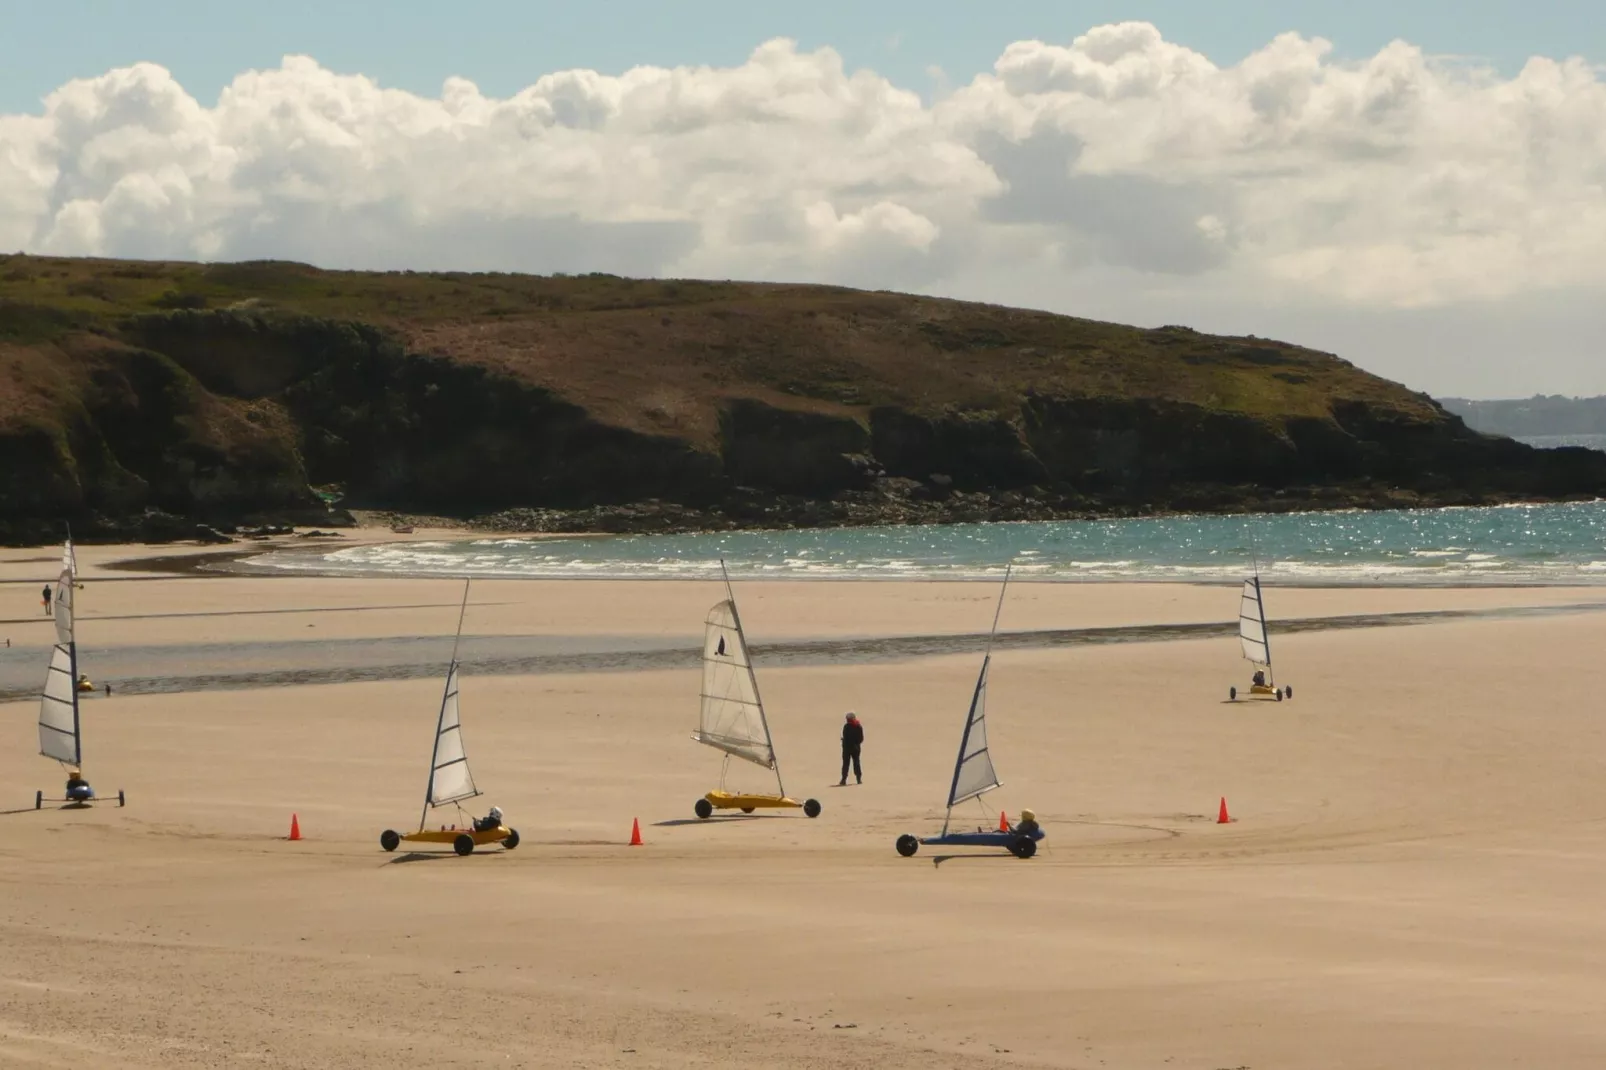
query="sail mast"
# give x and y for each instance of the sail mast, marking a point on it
(976, 696)
(69, 559)
(736, 617)
(77, 725)
(1265, 633)
(451, 682)
(70, 563)
(1260, 602)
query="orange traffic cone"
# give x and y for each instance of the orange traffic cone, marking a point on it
(1003, 821)
(295, 827)
(1222, 818)
(635, 832)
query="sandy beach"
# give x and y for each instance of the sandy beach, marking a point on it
(1411, 878)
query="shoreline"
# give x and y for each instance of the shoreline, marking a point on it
(208, 562)
(861, 509)
(237, 564)
(1492, 549)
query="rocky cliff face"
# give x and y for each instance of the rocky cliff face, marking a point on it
(118, 432)
(676, 405)
(393, 427)
(1126, 451)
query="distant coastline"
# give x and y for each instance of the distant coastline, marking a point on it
(1544, 421)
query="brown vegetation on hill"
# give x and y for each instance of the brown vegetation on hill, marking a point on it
(219, 392)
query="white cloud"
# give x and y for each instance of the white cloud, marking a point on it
(1117, 161)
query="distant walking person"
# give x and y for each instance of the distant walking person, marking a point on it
(47, 599)
(852, 740)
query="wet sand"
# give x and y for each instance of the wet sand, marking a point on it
(1412, 878)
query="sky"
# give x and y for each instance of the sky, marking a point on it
(1420, 188)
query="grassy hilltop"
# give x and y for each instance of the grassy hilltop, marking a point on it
(221, 393)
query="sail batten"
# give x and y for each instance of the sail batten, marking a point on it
(731, 718)
(1252, 624)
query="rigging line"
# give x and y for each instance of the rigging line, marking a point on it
(462, 611)
(999, 610)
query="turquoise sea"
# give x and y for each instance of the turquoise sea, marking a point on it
(1549, 544)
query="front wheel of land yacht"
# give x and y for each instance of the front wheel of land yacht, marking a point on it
(1232, 694)
(1024, 848)
(512, 840)
(38, 800)
(464, 844)
(704, 808)
(748, 809)
(811, 807)
(908, 845)
(390, 839)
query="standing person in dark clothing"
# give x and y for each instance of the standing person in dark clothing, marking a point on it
(852, 740)
(47, 599)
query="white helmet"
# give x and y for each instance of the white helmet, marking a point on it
(496, 813)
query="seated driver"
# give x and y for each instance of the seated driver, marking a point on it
(1260, 678)
(1028, 823)
(490, 821)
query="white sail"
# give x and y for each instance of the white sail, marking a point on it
(974, 773)
(62, 600)
(732, 716)
(1252, 624)
(58, 705)
(58, 710)
(449, 776)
